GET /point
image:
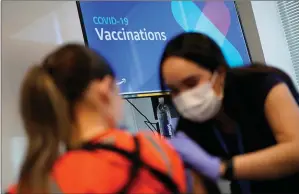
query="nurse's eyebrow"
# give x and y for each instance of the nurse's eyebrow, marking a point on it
(190, 80)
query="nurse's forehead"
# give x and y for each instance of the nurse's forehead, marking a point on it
(177, 70)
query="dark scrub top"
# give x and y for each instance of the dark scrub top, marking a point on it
(245, 95)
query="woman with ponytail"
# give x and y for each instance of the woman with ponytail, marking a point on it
(45, 116)
(71, 99)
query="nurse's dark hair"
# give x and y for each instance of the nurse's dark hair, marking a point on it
(204, 51)
(195, 47)
(49, 93)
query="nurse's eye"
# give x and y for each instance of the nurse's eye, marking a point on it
(191, 82)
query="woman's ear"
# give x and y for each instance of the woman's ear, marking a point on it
(106, 87)
(222, 69)
(99, 91)
(222, 73)
(219, 82)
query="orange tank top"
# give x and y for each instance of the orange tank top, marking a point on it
(119, 162)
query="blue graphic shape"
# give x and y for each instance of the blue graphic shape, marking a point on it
(191, 18)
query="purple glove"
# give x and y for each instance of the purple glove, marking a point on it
(193, 155)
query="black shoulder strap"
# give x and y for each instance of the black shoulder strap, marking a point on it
(137, 163)
(135, 167)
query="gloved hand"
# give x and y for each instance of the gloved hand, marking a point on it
(193, 155)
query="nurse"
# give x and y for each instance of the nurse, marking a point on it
(239, 124)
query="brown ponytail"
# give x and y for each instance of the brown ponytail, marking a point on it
(49, 94)
(46, 119)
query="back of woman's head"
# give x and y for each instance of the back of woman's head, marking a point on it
(194, 47)
(48, 96)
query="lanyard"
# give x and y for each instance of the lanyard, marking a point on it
(245, 185)
(222, 142)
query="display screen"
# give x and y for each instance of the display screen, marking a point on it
(132, 35)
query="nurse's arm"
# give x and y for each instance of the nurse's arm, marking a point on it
(282, 113)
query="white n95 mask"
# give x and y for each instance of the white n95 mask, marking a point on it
(200, 103)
